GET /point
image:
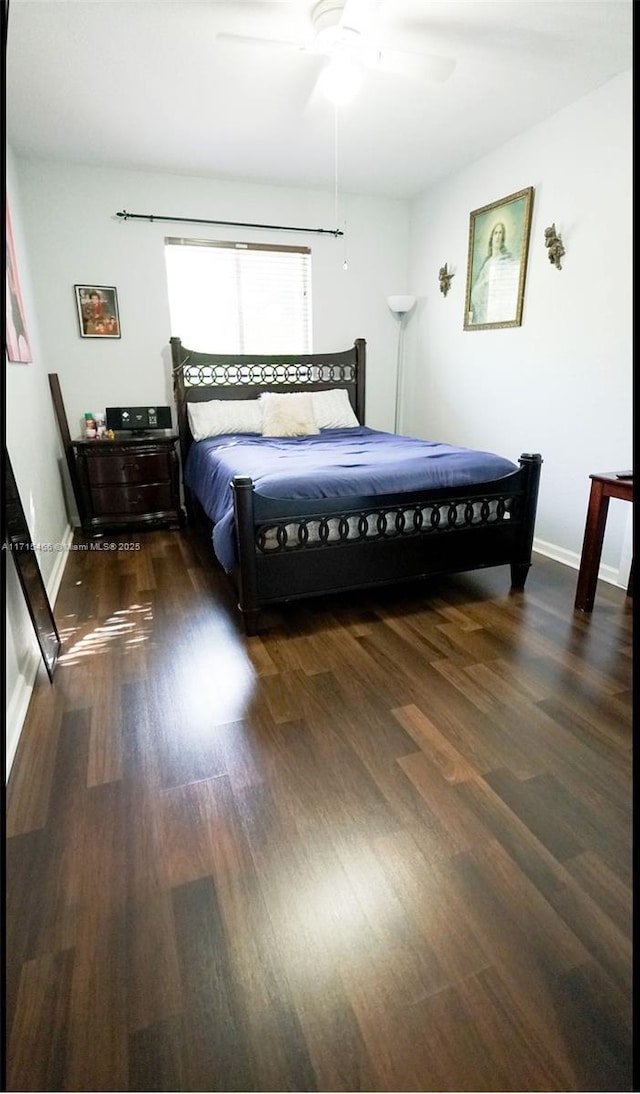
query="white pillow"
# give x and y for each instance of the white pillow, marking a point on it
(333, 410)
(288, 415)
(220, 416)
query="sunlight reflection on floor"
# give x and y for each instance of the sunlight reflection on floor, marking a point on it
(212, 686)
(132, 621)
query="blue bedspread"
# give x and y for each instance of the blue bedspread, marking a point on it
(335, 463)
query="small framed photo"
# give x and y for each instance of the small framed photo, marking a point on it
(97, 311)
(497, 262)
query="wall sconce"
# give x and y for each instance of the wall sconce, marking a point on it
(400, 306)
(444, 278)
(553, 243)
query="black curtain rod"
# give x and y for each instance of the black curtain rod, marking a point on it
(229, 223)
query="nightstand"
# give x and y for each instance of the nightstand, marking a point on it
(604, 485)
(131, 481)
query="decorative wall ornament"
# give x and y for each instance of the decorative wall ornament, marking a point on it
(444, 278)
(553, 243)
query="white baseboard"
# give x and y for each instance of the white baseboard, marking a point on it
(55, 577)
(18, 706)
(570, 558)
(19, 702)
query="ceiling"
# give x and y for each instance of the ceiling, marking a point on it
(149, 84)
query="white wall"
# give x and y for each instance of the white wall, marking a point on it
(561, 384)
(74, 237)
(36, 457)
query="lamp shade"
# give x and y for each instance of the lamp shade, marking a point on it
(401, 304)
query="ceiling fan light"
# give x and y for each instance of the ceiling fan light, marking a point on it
(340, 80)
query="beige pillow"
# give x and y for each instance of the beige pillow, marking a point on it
(220, 416)
(288, 415)
(333, 409)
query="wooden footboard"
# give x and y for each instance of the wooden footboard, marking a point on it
(293, 549)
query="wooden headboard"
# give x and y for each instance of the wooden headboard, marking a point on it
(198, 377)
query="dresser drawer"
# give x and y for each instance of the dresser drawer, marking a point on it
(128, 468)
(108, 501)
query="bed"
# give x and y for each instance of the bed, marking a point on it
(345, 507)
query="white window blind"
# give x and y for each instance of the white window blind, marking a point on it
(239, 297)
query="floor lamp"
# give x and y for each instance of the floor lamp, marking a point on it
(400, 306)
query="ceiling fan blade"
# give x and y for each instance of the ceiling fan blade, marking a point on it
(264, 43)
(420, 66)
(253, 6)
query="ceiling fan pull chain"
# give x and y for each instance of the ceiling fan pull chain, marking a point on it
(345, 264)
(335, 162)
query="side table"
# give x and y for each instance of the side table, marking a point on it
(604, 486)
(131, 481)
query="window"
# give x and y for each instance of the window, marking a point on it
(239, 297)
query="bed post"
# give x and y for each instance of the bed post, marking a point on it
(178, 361)
(361, 351)
(531, 464)
(249, 604)
(177, 364)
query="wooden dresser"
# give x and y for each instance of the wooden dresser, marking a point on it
(131, 481)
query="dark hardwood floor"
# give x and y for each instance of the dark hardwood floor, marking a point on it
(385, 845)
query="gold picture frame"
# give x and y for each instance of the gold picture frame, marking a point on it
(497, 262)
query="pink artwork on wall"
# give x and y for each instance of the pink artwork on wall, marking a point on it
(16, 339)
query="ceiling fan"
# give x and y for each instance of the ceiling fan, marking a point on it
(350, 37)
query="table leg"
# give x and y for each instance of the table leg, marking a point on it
(592, 547)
